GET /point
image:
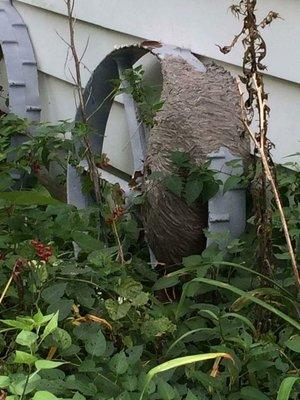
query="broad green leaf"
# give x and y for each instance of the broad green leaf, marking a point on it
(63, 306)
(26, 338)
(20, 323)
(47, 364)
(78, 396)
(24, 358)
(51, 326)
(242, 318)
(54, 292)
(117, 311)
(119, 363)
(165, 390)
(252, 393)
(4, 381)
(62, 338)
(43, 395)
(17, 386)
(174, 184)
(193, 190)
(178, 362)
(87, 242)
(294, 343)
(231, 183)
(166, 282)
(27, 198)
(185, 335)
(41, 319)
(286, 387)
(92, 337)
(260, 302)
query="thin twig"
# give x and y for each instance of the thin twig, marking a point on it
(270, 178)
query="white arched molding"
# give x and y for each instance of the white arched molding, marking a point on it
(20, 64)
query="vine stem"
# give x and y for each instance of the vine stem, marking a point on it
(121, 252)
(261, 149)
(6, 288)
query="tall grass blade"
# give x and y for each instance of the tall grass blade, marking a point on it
(178, 362)
(286, 387)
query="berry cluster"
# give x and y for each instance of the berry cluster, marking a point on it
(43, 252)
(116, 215)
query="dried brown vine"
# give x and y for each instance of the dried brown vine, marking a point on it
(256, 105)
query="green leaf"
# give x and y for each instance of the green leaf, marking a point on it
(4, 381)
(24, 358)
(231, 183)
(294, 343)
(119, 363)
(166, 282)
(26, 338)
(47, 364)
(245, 320)
(241, 293)
(178, 362)
(251, 393)
(117, 311)
(42, 395)
(78, 396)
(51, 326)
(165, 390)
(92, 337)
(157, 327)
(193, 190)
(174, 184)
(41, 319)
(62, 339)
(286, 387)
(129, 288)
(20, 323)
(63, 306)
(27, 198)
(54, 292)
(86, 242)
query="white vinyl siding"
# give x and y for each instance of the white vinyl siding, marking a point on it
(195, 24)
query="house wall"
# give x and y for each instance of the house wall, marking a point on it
(195, 24)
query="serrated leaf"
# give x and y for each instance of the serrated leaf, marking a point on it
(117, 311)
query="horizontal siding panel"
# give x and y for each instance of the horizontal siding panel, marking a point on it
(57, 100)
(195, 24)
(51, 54)
(47, 31)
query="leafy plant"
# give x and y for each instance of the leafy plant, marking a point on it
(95, 325)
